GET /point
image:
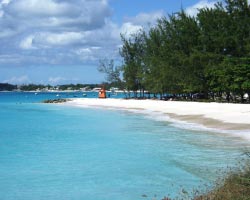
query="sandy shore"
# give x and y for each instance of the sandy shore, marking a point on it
(211, 115)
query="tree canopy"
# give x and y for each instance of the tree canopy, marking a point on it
(182, 55)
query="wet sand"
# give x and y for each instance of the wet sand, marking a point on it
(221, 116)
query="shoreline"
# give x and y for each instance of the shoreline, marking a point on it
(223, 117)
(210, 123)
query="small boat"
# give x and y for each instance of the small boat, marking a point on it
(36, 93)
(58, 95)
(84, 95)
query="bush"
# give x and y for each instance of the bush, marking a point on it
(236, 186)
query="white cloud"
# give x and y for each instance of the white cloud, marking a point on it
(24, 8)
(57, 15)
(27, 43)
(18, 80)
(5, 1)
(145, 19)
(79, 46)
(52, 40)
(128, 28)
(193, 10)
(48, 24)
(88, 50)
(65, 38)
(141, 21)
(6, 33)
(90, 53)
(10, 59)
(55, 80)
(58, 80)
(2, 4)
(64, 32)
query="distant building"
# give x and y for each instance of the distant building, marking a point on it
(96, 89)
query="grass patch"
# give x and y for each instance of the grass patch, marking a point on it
(236, 186)
(233, 185)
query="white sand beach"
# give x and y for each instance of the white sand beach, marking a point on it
(220, 116)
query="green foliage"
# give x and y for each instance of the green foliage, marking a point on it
(206, 54)
(236, 186)
(7, 87)
(33, 87)
(77, 86)
(133, 68)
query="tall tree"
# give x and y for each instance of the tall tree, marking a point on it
(133, 68)
(207, 54)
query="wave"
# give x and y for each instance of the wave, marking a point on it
(181, 124)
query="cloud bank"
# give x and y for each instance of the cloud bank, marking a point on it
(193, 10)
(49, 33)
(55, 32)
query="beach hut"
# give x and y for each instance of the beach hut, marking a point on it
(102, 93)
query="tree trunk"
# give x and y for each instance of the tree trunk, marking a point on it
(135, 94)
(212, 94)
(228, 97)
(234, 98)
(191, 96)
(149, 95)
(205, 95)
(242, 97)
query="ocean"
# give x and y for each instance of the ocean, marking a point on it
(56, 152)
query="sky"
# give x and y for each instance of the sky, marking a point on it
(61, 41)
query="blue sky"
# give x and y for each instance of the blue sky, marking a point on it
(62, 41)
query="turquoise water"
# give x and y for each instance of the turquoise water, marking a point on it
(31, 97)
(55, 152)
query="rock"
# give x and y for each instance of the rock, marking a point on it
(55, 101)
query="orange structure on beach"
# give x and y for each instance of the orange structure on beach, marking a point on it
(102, 93)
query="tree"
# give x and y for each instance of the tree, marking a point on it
(112, 72)
(206, 54)
(132, 53)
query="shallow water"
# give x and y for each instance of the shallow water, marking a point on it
(58, 152)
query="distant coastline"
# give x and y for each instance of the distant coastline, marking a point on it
(59, 91)
(6, 87)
